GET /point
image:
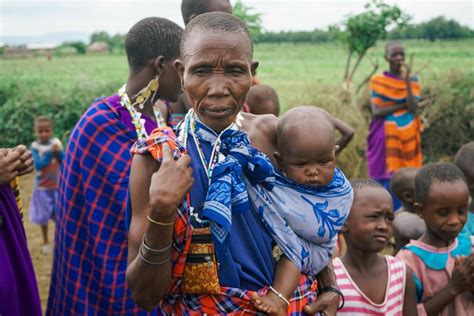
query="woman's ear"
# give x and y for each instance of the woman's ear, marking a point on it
(254, 67)
(179, 65)
(158, 64)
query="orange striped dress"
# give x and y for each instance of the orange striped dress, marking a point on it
(400, 145)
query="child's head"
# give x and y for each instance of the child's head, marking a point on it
(152, 46)
(395, 55)
(441, 198)
(402, 184)
(306, 146)
(370, 222)
(465, 161)
(216, 67)
(43, 128)
(263, 99)
(192, 8)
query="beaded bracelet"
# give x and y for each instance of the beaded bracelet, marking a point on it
(330, 288)
(154, 251)
(151, 262)
(279, 295)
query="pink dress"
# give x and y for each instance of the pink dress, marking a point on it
(357, 303)
(432, 269)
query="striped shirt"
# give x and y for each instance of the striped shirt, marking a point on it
(357, 303)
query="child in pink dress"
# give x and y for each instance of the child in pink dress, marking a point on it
(442, 259)
(372, 284)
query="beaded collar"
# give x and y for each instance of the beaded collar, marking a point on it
(137, 119)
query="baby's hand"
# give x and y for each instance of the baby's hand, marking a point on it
(55, 148)
(270, 304)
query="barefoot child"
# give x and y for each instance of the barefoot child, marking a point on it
(306, 157)
(442, 260)
(372, 284)
(47, 155)
(407, 224)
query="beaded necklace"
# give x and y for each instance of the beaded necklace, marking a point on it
(137, 121)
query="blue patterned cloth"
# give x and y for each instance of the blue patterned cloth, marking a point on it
(303, 220)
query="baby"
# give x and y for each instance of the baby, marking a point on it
(317, 198)
(407, 224)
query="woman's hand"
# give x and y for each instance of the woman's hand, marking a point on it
(26, 159)
(326, 304)
(169, 185)
(9, 163)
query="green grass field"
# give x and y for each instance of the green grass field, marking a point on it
(295, 71)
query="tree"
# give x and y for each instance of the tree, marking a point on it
(252, 20)
(78, 45)
(360, 32)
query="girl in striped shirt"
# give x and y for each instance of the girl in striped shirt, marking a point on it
(372, 284)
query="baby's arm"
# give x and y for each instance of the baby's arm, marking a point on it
(462, 277)
(286, 280)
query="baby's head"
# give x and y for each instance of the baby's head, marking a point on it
(306, 146)
(402, 184)
(263, 99)
(465, 161)
(43, 128)
(441, 199)
(370, 222)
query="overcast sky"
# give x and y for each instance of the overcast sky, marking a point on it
(34, 17)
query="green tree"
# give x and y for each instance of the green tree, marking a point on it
(252, 20)
(78, 45)
(360, 32)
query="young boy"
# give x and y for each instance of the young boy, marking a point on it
(465, 161)
(442, 260)
(263, 99)
(372, 283)
(407, 224)
(47, 155)
(306, 156)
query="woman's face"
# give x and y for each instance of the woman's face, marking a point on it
(216, 72)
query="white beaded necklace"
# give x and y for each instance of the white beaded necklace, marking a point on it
(137, 119)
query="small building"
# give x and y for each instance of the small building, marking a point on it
(98, 48)
(18, 52)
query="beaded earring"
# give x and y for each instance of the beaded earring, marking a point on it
(144, 94)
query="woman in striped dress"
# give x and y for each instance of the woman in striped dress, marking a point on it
(394, 141)
(372, 284)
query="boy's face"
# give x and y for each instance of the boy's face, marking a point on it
(370, 223)
(445, 209)
(408, 194)
(43, 131)
(217, 73)
(307, 159)
(395, 57)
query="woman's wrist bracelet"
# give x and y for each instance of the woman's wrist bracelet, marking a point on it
(334, 289)
(152, 250)
(151, 220)
(280, 296)
(153, 263)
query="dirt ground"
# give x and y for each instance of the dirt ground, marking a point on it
(41, 262)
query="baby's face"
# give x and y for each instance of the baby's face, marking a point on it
(307, 159)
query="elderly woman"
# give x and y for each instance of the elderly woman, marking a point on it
(179, 258)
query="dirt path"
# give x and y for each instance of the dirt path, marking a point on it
(41, 262)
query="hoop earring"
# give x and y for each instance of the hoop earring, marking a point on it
(144, 94)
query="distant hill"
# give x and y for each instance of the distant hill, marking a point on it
(54, 38)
